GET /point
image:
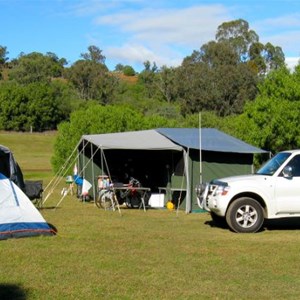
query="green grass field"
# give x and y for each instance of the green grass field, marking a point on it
(32, 151)
(157, 254)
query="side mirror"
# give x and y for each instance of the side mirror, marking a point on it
(287, 172)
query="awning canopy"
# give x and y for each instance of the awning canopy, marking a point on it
(211, 140)
(172, 139)
(133, 140)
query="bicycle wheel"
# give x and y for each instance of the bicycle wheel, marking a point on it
(105, 199)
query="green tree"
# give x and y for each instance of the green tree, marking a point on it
(215, 54)
(36, 67)
(213, 79)
(3, 59)
(271, 124)
(245, 41)
(49, 104)
(3, 56)
(239, 36)
(36, 106)
(94, 54)
(128, 70)
(271, 121)
(147, 78)
(91, 119)
(225, 73)
(92, 80)
(282, 84)
(119, 67)
(206, 119)
(13, 107)
(165, 83)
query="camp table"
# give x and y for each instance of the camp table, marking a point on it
(143, 191)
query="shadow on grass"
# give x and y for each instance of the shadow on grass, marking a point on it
(53, 228)
(283, 224)
(48, 207)
(274, 224)
(12, 291)
(222, 225)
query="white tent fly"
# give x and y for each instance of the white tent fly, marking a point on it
(18, 216)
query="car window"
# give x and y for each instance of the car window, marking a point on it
(273, 164)
(295, 164)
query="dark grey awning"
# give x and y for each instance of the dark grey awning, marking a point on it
(211, 140)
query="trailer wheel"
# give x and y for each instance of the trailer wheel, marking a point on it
(245, 215)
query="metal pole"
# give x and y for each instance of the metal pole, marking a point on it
(200, 149)
(188, 187)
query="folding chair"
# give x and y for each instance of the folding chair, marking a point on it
(34, 191)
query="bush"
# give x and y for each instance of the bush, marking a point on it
(128, 71)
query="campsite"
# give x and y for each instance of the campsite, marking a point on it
(157, 254)
(167, 161)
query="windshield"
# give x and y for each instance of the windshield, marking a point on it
(271, 166)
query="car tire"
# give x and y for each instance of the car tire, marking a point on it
(245, 215)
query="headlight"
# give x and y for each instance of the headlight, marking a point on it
(222, 190)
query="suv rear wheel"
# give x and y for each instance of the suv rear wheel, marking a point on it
(245, 215)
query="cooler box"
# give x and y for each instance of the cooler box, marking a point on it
(157, 200)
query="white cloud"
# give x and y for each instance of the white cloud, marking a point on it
(90, 7)
(283, 31)
(289, 41)
(131, 53)
(191, 26)
(292, 62)
(136, 31)
(165, 36)
(136, 55)
(284, 21)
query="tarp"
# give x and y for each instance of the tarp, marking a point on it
(211, 140)
(134, 140)
(172, 139)
(18, 216)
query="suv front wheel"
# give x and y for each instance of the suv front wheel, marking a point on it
(245, 215)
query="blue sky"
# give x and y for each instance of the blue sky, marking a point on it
(133, 31)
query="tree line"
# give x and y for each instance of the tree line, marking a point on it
(239, 85)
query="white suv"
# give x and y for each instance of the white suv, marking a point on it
(245, 201)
